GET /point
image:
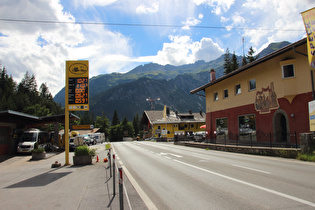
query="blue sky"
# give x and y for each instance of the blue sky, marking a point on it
(123, 34)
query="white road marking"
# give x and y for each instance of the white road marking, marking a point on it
(141, 193)
(252, 169)
(162, 153)
(251, 185)
(179, 156)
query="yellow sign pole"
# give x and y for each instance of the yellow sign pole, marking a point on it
(77, 94)
(67, 136)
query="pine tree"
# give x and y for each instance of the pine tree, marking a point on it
(244, 61)
(115, 120)
(227, 62)
(234, 62)
(250, 55)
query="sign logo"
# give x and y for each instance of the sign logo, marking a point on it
(78, 68)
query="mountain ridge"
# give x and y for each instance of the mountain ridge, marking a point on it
(127, 92)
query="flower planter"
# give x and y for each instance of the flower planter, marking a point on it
(82, 160)
(38, 156)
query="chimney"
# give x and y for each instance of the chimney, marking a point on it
(212, 75)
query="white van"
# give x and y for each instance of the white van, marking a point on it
(30, 137)
(99, 137)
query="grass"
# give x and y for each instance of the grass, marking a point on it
(307, 157)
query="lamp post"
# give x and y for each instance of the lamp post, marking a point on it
(151, 101)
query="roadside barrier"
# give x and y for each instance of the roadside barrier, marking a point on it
(121, 193)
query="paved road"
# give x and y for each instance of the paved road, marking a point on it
(26, 184)
(176, 177)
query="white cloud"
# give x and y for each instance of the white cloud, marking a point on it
(274, 16)
(182, 50)
(190, 21)
(218, 6)
(143, 9)
(92, 3)
(42, 49)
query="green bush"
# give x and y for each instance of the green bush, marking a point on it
(306, 157)
(84, 150)
(38, 150)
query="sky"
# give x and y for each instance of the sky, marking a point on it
(39, 36)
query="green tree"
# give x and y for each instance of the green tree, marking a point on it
(115, 133)
(115, 120)
(127, 128)
(37, 110)
(136, 124)
(250, 55)
(102, 122)
(227, 62)
(244, 61)
(234, 63)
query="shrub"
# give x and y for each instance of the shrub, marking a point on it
(38, 150)
(306, 157)
(84, 150)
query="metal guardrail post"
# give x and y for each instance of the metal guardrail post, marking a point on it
(114, 190)
(121, 194)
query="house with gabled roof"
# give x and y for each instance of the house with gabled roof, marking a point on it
(167, 123)
(266, 100)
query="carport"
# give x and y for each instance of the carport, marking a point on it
(12, 124)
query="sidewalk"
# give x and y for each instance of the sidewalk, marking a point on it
(29, 184)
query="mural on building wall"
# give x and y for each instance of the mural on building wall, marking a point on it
(266, 99)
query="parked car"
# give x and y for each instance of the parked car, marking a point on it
(88, 140)
(200, 136)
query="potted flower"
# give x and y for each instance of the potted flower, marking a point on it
(38, 153)
(83, 155)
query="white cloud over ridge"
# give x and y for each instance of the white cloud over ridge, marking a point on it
(182, 50)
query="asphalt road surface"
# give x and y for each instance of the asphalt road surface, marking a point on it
(168, 176)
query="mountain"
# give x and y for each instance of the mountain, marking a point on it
(127, 93)
(104, 82)
(272, 47)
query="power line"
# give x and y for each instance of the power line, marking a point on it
(143, 25)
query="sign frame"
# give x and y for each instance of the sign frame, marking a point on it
(77, 85)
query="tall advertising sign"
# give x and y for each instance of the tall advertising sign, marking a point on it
(77, 94)
(77, 85)
(309, 23)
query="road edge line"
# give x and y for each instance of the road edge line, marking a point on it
(141, 193)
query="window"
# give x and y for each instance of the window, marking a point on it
(159, 127)
(247, 127)
(175, 126)
(238, 89)
(192, 125)
(226, 93)
(221, 128)
(252, 84)
(216, 96)
(287, 71)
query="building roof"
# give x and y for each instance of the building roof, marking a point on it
(22, 119)
(252, 64)
(156, 117)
